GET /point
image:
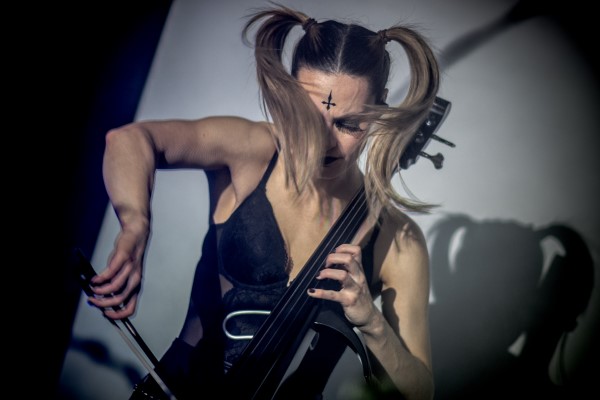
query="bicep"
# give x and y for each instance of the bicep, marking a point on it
(206, 143)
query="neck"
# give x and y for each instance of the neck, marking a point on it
(329, 196)
(343, 186)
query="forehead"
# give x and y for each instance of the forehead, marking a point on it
(348, 92)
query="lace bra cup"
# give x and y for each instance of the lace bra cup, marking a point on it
(252, 256)
(252, 252)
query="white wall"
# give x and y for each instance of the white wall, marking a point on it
(523, 118)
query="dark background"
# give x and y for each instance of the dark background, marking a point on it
(85, 71)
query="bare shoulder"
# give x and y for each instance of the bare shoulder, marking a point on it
(209, 143)
(241, 148)
(402, 247)
(248, 147)
(237, 140)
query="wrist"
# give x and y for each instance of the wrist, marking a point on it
(132, 217)
(375, 327)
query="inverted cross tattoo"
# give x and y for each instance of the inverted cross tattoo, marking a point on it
(328, 102)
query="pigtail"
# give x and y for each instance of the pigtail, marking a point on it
(299, 125)
(394, 127)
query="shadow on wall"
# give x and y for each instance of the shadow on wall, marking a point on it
(506, 297)
(98, 352)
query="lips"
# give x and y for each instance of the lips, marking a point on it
(328, 160)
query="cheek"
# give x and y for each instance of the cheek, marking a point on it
(349, 144)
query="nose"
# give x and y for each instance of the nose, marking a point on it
(332, 140)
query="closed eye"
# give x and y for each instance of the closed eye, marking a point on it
(348, 127)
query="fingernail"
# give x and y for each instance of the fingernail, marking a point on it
(311, 290)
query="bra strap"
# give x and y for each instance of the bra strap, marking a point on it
(267, 174)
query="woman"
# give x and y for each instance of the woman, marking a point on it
(276, 187)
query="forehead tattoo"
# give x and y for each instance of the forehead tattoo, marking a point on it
(328, 103)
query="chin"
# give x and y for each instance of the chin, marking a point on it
(335, 170)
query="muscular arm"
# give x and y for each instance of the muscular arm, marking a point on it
(132, 155)
(399, 336)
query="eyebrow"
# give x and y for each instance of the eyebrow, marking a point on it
(345, 117)
(348, 116)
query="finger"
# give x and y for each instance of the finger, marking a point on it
(343, 281)
(117, 306)
(344, 297)
(123, 310)
(337, 274)
(106, 302)
(324, 294)
(352, 249)
(338, 260)
(116, 262)
(114, 299)
(125, 277)
(345, 261)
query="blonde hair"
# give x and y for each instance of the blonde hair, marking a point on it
(336, 47)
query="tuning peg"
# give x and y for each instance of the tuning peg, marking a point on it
(437, 160)
(442, 140)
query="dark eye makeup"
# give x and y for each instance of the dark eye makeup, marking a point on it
(348, 127)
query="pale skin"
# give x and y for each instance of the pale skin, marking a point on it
(235, 152)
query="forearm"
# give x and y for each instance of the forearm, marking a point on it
(408, 373)
(128, 169)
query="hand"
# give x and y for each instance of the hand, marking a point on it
(118, 286)
(345, 266)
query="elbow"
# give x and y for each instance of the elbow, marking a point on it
(130, 137)
(115, 135)
(114, 138)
